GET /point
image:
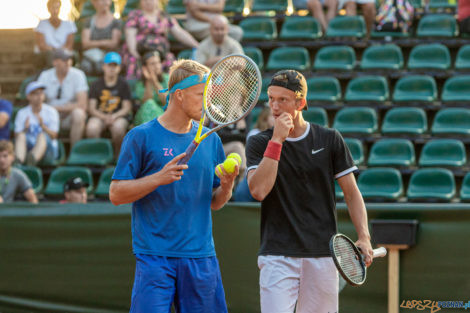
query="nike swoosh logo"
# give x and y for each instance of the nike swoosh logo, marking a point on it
(316, 151)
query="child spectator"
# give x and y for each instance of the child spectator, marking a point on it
(6, 109)
(316, 7)
(110, 103)
(199, 14)
(75, 191)
(101, 33)
(67, 91)
(13, 181)
(149, 27)
(154, 79)
(36, 128)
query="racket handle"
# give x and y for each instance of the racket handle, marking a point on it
(189, 153)
(380, 252)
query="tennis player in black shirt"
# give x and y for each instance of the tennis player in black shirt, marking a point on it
(291, 170)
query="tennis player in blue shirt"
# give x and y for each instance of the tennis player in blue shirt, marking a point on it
(171, 211)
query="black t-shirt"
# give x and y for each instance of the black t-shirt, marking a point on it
(110, 97)
(298, 216)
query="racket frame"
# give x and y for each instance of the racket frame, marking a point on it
(338, 265)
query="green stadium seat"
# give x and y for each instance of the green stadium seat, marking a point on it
(380, 184)
(437, 25)
(387, 56)
(326, 88)
(132, 5)
(300, 27)
(176, 7)
(451, 121)
(264, 89)
(405, 121)
(392, 152)
(258, 28)
(185, 54)
(442, 4)
(465, 189)
(415, 88)
(295, 58)
(256, 55)
(443, 152)
(269, 5)
(335, 58)
(357, 150)
(431, 56)
(346, 26)
(316, 115)
(360, 120)
(432, 184)
(382, 34)
(92, 151)
(54, 163)
(367, 88)
(456, 88)
(462, 60)
(21, 95)
(55, 185)
(234, 6)
(417, 3)
(102, 190)
(35, 176)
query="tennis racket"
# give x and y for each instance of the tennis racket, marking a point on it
(349, 260)
(231, 91)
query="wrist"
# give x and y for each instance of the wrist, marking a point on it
(273, 150)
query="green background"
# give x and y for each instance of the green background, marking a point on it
(77, 258)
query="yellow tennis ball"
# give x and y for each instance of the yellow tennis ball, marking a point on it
(235, 156)
(219, 167)
(229, 165)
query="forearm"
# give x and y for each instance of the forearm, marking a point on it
(121, 113)
(213, 8)
(66, 108)
(358, 213)
(220, 197)
(127, 191)
(262, 180)
(131, 40)
(184, 37)
(49, 132)
(30, 196)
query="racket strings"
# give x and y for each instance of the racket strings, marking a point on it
(232, 89)
(349, 261)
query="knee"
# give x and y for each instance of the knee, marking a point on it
(314, 5)
(78, 115)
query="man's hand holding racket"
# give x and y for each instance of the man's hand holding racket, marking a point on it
(366, 249)
(172, 171)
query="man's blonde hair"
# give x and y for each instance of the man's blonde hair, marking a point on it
(183, 68)
(7, 146)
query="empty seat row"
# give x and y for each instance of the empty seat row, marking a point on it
(307, 27)
(55, 184)
(411, 121)
(400, 152)
(429, 184)
(375, 88)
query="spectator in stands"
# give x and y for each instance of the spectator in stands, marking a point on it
(13, 181)
(6, 108)
(67, 91)
(149, 27)
(464, 16)
(36, 128)
(54, 33)
(154, 79)
(218, 44)
(110, 103)
(265, 121)
(101, 33)
(316, 7)
(199, 14)
(368, 10)
(75, 191)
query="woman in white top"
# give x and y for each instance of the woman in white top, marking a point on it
(53, 33)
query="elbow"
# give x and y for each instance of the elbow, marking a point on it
(114, 195)
(257, 193)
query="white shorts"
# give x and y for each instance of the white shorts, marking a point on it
(341, 3)
(308, 284)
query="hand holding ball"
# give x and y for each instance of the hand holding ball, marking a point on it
(229, 164)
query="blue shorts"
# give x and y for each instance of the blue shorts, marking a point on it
(193, 285)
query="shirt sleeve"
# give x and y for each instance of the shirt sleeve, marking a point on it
(133, 19)
(53, 121)
(23, 182)
(200, 55)
(125, 91)
(255, 147)
(72, 28)
(343, 162)
(130, 159)
(94, 92)
(19, 121)
(237, 48)
(40, 28)
(81, 82)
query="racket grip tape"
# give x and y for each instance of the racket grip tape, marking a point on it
(189, 153)
(380, 252)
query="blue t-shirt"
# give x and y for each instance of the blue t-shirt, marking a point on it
(7, 107)
(173, 220)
